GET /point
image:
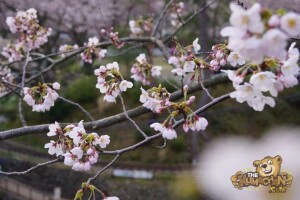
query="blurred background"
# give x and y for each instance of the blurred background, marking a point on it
(195, 165)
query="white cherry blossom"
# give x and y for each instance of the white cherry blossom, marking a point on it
(156, 70)
(232, 75)
(234, 58)
(102, 141)
(290, 23)
(54, 129)
(124, 85)
(196, 46)
(167, 132)
(249, 19)
(264, 81)
(54, 148)
(258, 103)
(244, 93)
(274, 42)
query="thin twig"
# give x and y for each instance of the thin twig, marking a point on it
(179, 122)
(40, 55)
(23, 122)
(161, 17)
(205, 107)
(125, 51)
(189, 19)
(170, 83)
(32, 168)
(204, 88)
(103, 169)
(10, 84)
(132, 121)
(79, 106)
(6, 84)
(162, 146)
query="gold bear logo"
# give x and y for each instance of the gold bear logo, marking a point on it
(269, 166)
(267, 173)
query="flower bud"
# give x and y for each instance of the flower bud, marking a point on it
(185, 88)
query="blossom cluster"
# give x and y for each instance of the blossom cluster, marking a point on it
(141, 26)
(221, 56)
(80, 149)
(65, 49)
(5, 78)
(14, 52)
(183, 59)
(191, 120)
(256, 33)
(114, 37)
(92, 51)
(41, 97)
(155, 98)
(110, 81)
(176, 11)
(282, 75)
(143, 71)
(26, 24)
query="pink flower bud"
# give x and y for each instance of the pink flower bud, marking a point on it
(192, 98)
(274, 21)
(185, 87)
(90, 151)
(168, 103)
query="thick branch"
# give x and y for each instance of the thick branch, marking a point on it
(112, 120)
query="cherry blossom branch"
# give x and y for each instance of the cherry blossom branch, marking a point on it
(79, 106)
(121, 151)
(131, 120)
(179, 122)
(161, 17)
(189, 19)
(103, 169)
(205, 107)
(50, 67)
(73, 52)
(153, 40)
(32, 168)
(112, 120)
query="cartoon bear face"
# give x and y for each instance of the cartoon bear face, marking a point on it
(268, 166)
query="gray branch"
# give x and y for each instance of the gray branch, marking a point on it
(112, 120)
(32, 168)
